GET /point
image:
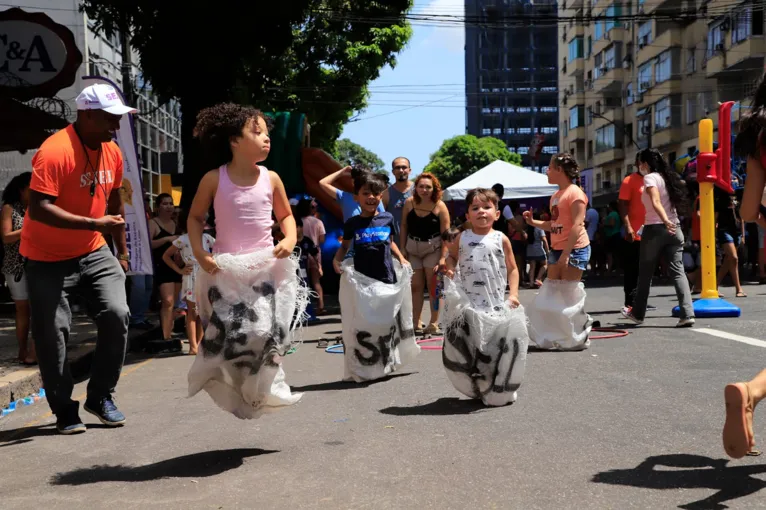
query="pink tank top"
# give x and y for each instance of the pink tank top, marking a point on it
(243, 214)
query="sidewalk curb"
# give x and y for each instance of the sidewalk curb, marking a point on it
(27, 381)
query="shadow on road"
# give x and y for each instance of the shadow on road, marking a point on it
(25, 434)
(196, 465)
(444, 406)
(691, 472)
(345, 385)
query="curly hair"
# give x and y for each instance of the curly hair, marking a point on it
(568, 164)
(218, 125)
(752, 123)
(676, 188)
(12, 192)
(436, 194)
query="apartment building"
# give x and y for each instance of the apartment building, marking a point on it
(643, 74)
(511, 75)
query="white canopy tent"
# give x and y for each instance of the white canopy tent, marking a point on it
(518, 182)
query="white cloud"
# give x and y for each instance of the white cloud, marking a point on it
(444, 22)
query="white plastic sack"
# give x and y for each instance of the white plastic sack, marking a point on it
(485, 353)
(251, 310)
(557, 318)
(378, 334)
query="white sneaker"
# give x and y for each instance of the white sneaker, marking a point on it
(685, 323)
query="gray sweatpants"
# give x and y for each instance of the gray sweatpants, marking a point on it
(100, 280)
(655, 242)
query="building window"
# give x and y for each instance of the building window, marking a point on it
(550, 130)
(714, 40)
(590, 149)
(565, 127)
(497, 131)
(486, 131)
(598, 30)
(597, 68)
(575, 48)
(610, 56)
(589, 47)
(644, 77)
(576, 114)
(691, 110)
(589, 116)
(550, 149)
(605, 138)
(644, 127)
(629, 94)
(691, 60)
(613, 12)
(662, 114)
(644, 34)
(662, 69)
(740, 26)
(524, 130)
(522, 150)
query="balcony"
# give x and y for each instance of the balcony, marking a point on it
(666, 137)
(575, 67)
(576, 134)
(611, 116)
(615, 34)
(650, 6)
(668, 39)
(668, 87)
(609, 155)
(609, 81)
(744, 56)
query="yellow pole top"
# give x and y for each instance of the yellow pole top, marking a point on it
(706, 135)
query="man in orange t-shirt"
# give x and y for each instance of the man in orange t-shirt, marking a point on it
(632, 213)
(74, 201)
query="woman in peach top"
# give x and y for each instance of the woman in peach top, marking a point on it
(570, 247)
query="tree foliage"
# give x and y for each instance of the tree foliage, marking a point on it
(310, 56)
(463, 155)
(350, 153)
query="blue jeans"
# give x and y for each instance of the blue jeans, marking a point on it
(140, 297)
(578, 258)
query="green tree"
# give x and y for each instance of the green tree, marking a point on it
(463, 155)
(350, 153)
(311, 56)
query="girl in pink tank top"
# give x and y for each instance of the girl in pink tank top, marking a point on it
(251, 298)
(243, 194)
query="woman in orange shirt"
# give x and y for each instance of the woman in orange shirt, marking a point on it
(570, 246)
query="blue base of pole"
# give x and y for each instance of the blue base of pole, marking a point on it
(711, 308)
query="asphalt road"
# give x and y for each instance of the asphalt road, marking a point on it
(634, 422)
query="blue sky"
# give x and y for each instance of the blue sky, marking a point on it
(415, 106)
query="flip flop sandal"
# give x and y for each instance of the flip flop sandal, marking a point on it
(741, 295)
(322, 344)
(736, 437)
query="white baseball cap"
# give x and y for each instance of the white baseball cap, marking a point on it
(101, 96)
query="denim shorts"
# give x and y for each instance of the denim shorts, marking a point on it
(579, 257)
(725, 237)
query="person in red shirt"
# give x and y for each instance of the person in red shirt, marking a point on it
(74, 202)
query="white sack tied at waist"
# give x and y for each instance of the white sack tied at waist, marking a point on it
(378, 335)
(252, 309)
(557, 318)
(485, 352)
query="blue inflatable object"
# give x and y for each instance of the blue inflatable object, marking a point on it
(711, 308)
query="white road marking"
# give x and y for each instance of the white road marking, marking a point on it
(731, 336)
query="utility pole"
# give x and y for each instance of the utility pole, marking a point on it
(127, 64)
